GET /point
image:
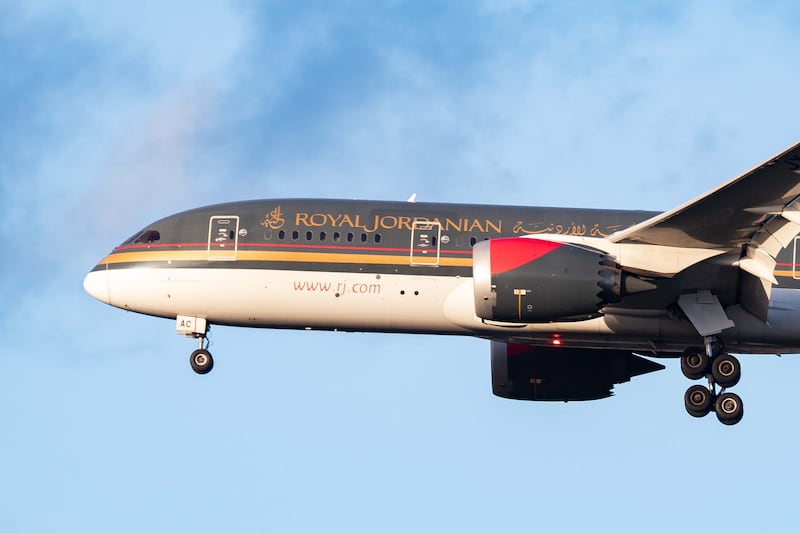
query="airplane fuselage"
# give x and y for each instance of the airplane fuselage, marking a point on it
(392, 267)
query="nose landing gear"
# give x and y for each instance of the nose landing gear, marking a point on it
(198, 328)
(721, 369)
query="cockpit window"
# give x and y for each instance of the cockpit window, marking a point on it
(145, 237)
(148, 236)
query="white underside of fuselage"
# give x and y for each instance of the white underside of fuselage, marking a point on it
(418, 303)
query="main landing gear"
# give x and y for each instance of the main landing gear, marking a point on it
(721, 369)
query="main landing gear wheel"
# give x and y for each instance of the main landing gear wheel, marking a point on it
(698, 401)
(694, 364)
(726, 370)
(721, 369)
(201, 361)
(729, 408)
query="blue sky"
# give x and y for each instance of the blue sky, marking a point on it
(115, 116)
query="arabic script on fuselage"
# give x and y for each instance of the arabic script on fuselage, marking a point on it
(570, 228)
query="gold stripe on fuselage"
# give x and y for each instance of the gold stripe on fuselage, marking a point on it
(295, 257)
(292, 257)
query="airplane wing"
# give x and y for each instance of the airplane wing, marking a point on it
(734, 214)
(748, 219)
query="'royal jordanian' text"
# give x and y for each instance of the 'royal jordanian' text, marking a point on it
(389, 222)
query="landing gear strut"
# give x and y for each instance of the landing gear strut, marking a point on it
(721, 369)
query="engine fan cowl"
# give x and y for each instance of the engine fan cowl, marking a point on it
(526, 280)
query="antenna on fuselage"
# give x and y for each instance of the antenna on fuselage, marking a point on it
(412, 199)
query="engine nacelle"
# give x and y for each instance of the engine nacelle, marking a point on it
(527, 280)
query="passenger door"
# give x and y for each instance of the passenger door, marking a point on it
(425, 243)
(223, 237)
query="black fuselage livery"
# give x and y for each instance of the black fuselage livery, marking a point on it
(570, 298)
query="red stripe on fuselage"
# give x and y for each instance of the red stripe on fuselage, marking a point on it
(354, 247)
(508, 254)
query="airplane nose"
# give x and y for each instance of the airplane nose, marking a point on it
(96, 284)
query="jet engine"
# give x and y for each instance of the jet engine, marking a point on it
(527, 280)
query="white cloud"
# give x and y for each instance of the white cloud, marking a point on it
(604, 110)
(178, 40)
(120, 133)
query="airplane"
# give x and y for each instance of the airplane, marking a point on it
(573, 301)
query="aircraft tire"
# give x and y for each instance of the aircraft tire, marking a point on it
(694, 364)
(726, 370)
(729, 408)
(698, 401)
(201, 361)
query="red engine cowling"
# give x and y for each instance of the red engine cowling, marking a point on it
(532, 280)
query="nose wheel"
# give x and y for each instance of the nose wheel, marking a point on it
(721, 369)
(201, 361)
